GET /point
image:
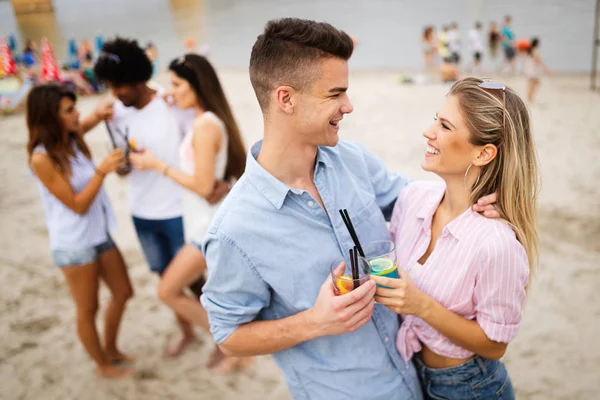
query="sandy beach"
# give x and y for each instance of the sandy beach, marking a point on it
(555, 356)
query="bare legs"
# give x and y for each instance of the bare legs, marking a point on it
(114, 274)
(83, 281)
(532, 86)
(185, 270)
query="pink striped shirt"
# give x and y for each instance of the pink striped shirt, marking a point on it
(477, 270)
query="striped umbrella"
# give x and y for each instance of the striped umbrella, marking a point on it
(8, 62)
(49, 66)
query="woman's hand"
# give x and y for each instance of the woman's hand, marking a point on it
(167, 96)
(487, 206)
(112, 162)
(220, 191)
(402, 296)
(144, 160)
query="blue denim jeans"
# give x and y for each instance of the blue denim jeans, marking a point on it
(82, 256)
(478, 378)
(161, 239)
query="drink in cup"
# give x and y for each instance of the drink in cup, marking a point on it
(382, 258)
(342, 276)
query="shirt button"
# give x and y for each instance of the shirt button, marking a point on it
(311, 203)
(386, 339)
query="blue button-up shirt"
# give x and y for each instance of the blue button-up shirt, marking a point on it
(269, 250)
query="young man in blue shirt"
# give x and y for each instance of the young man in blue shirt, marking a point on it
(271, 244)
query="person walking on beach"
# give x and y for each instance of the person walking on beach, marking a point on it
(454, 43)
(534, 69)
(493, 40)
(79, 217)
(476, 46)
(142, 117)
(212, 151)
(429, 48)
(508, 44)
(443, 48)
(271, 243)
(463, 276)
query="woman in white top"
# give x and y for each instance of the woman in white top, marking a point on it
(211, 152)
(534, 68)
(79, 216)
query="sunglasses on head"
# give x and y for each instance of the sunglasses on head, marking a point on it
(489, 85)
(110, 56)
(182, 61)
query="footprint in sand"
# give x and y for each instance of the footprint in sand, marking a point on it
(147, 375)
(38, 325)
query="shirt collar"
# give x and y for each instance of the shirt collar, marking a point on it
(272, 188)
(432, 202)
(323, 157)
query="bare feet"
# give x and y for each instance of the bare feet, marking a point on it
(116, 357)
(112, 372)
(233, 364)
(215, 358)
(174, 351)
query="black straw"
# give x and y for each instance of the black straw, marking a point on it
(355, 274)
(353, 268)
(110, 133)
(350, 227)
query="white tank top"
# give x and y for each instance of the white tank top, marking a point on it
(197, 213)
(68, 230)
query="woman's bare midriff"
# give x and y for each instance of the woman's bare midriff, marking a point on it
(433, 360)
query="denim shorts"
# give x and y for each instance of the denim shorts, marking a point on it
(161, 239)
(478, 378)
(86, 255)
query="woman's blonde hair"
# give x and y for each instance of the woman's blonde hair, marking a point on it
(499, 117)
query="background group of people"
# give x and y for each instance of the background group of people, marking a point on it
(267, 249)
(446, 52)
(195, 145)
(33, 66)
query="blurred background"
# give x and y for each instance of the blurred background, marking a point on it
(389, 31)
(395, 95)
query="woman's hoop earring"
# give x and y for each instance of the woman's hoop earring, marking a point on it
(465, 180)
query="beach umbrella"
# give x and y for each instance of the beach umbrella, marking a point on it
(49, 66)
(8, 62)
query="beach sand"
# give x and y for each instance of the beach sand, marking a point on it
(555, 356)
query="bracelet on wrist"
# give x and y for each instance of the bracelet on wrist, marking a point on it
(165, 169)
(102, 174)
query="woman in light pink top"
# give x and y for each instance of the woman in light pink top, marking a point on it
(463, 286)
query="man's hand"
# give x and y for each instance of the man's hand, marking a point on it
(486, 205)
(104, 109)
(336, 315)
(221, 189)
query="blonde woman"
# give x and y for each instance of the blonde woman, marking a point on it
(463, 286)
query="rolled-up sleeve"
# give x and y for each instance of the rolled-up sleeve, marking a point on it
(234, 293)
(500, 289)
(386, 185)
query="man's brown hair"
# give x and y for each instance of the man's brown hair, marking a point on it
(287, 51)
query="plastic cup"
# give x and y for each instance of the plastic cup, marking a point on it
(381, 255)
(342, 278)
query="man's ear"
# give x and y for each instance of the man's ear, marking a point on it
(285, 98)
